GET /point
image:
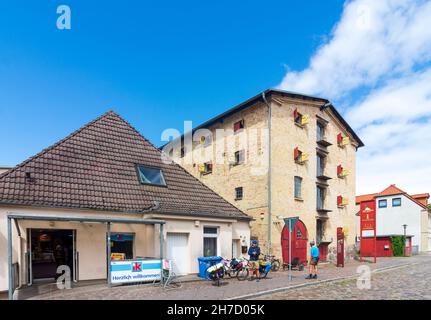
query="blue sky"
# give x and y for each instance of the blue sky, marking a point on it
(160, 64)
(155, 64)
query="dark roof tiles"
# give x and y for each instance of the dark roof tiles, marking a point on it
(95, 168)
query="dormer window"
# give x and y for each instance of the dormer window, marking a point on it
(151, 175)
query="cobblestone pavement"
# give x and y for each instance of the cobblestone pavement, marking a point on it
(202, 290)
(406, 283)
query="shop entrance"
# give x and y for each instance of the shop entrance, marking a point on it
(49, 249)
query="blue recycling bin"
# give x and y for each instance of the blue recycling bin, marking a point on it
(205, 263)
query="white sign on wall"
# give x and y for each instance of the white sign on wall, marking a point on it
(135, 271)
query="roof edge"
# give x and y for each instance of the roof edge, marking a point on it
(202, 214)
(247, 103)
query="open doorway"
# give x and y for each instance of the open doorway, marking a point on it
(50, 249)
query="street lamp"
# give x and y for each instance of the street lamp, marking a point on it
(405, 227)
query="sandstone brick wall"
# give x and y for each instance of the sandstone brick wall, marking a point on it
(252, 175)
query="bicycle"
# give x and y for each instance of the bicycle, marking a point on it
(274, 262)
(243, 270)
(215, 273)
(264, 267)
(231, 267)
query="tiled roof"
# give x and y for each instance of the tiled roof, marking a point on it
(95, 168)
(392, 190)
(422, 198)
(365, 197)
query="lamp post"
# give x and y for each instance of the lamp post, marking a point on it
(404, 245)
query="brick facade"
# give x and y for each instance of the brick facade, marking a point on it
(252, 174)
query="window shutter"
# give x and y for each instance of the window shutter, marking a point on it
(296, 153)
(339, 200)
(295, 113)
(339, 138)
(305, 119)
(339, 170)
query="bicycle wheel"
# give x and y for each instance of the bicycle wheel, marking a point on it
(242, 274)
(230, 273)
(275, 265)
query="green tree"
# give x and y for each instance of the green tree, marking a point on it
(398, 243)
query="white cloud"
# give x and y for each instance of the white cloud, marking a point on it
(383, 50)
(395, 125)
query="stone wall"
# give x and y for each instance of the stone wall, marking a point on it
(252, 175)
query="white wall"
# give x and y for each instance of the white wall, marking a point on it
(228, 231)
(91, 238)
(390, 220)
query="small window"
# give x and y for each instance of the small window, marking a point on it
(297, 117)
(183, 152)
(320, 196)
(320, 161)
(122, 243)
(238, 193)
(210, 241)
(239, 157)
(320, 131)
(396, 202)
(208, 167)
(298, 187)
(383, 203)
(206, 140)
(210, 230)
(149, 175)
(298, 234)
(237, 126)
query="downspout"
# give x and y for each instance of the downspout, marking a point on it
(269, 171)
(326, 105)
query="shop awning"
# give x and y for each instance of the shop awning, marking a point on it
(108, 221)
(84, 219)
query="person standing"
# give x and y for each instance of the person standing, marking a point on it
(314, 260)
(254, 253)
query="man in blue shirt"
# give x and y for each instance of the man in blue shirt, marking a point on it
(254, 253)
(314, 260)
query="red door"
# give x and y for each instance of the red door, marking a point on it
(299, 241)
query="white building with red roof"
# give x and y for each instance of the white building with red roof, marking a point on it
(395, 209)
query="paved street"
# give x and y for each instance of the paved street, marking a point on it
(408, 283)
(412, 282)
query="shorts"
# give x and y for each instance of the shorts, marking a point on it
(314, 261)
(254, 265)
